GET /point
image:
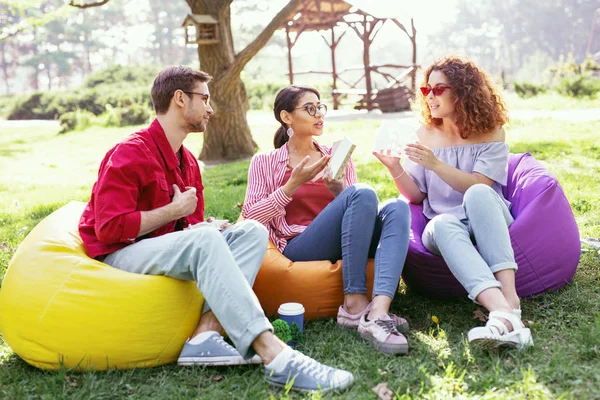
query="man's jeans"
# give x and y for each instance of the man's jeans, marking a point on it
(486, 224)
(352, 228)
(223, 264)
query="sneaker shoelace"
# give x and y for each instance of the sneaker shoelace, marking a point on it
(310, 367)
(388, 326)
(219, 340)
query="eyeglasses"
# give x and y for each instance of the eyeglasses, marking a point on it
(206, 101)
(437, 90)
(311, 109)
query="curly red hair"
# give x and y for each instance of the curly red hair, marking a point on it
(477, 101)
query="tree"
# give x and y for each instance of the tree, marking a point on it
(503, 36)
(228, 136)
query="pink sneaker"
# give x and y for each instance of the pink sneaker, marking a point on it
(382, 333)
(351, 321)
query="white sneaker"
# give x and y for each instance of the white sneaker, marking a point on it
(496, 334)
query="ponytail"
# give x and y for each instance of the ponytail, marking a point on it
(281, 137)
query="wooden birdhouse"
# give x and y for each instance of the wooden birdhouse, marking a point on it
(200, 29)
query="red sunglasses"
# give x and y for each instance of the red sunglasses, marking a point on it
(437, 91)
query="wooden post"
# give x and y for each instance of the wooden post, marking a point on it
(413, 39)
(336, 102)
(289, 46)
(367, 62)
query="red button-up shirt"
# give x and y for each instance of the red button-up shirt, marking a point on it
(137, 175)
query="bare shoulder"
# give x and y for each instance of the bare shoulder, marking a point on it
(499, 135)
(424, 134)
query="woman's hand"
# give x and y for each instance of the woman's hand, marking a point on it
(391, 163)
(422, 155)
(303, 173)
(334, 186)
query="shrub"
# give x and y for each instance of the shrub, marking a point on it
(528, 89)
(134, 114)
(75, 121)
(282, 330)
(584, 85)
(132, 75)
(50, 105)
(261, 95)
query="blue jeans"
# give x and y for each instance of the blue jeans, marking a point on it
(223, 265)
(352, 228)
(487, 223)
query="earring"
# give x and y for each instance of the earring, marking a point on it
(290, 132)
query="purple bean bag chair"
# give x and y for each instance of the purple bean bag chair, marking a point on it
(544, 237)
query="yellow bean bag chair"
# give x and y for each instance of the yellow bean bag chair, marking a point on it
(60, 307)
(316, 284)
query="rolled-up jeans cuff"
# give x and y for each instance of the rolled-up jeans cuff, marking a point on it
(383, 293)
(355, 291)
(503, 266)
(255, 328)
(483, 286)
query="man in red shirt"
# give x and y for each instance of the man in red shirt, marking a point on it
(146, 216)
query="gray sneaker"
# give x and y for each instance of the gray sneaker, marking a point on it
(307, 375)
(213, 350)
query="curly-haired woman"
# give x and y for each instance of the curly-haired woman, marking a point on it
(456, 169)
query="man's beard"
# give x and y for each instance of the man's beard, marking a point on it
(194, 125)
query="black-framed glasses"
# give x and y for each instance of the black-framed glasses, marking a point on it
(206, 101)
(311, 109)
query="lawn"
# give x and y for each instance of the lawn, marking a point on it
(42, 171)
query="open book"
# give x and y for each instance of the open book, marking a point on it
(393, 136)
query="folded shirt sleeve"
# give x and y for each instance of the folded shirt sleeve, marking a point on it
(262, 204)
(492, 162)
(416, 173)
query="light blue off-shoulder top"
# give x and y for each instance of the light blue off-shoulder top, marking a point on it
(489, 159)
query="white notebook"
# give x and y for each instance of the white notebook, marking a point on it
(340, 155)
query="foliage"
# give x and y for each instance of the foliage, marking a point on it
(75, 120)
(575, 79)
(126, 76)
(567, 78)
(50, 105)
(480, 30)
(261, 93)
(282, 330)
(528, 89)
(296, 334)
(579, 86)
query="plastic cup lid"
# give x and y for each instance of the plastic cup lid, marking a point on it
(291, 309)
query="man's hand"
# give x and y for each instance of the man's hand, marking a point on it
(184, 203)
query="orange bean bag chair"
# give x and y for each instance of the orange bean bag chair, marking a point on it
(317, 285)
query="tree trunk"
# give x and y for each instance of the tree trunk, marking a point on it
(228, 134)
(4, 67)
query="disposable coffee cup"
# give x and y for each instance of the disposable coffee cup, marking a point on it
(292, 313)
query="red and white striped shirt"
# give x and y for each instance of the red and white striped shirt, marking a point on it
(265, 199)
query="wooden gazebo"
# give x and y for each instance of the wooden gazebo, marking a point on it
(333, 19)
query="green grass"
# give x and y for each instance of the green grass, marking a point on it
(550, 101)
(47, 171)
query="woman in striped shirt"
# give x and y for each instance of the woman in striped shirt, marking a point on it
(312, 217)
